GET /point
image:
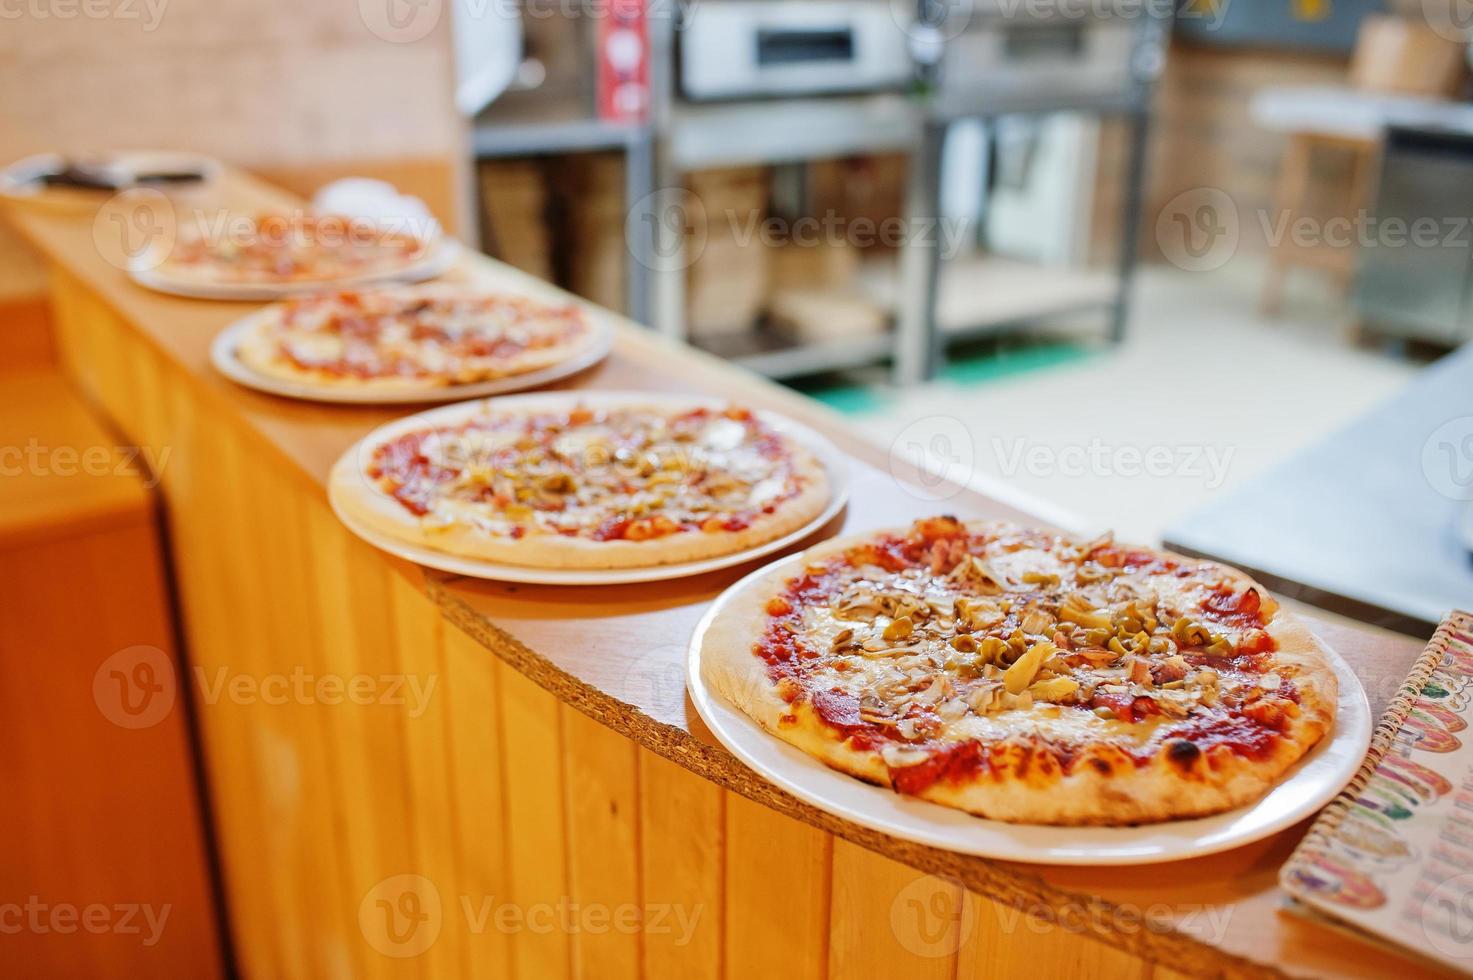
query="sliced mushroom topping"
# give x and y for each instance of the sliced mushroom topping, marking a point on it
(952, 709)
(1054, 689)
(1038, 622)
(899, 629)
(984, 696)
(979, 614)
(1025, 668)
(975, 573)
(934, 693)
(1075, 610)
(900, 757)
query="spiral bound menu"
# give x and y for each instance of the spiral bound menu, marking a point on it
(1391, 858)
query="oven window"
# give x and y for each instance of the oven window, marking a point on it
(783, 47)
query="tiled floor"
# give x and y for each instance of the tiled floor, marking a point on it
(1203, 395)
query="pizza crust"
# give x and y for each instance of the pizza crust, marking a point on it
(1022, 786)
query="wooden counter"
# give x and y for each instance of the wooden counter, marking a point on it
(551, 806)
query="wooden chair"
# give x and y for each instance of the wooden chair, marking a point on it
(1392, 57)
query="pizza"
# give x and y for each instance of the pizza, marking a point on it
(1025, 676)
(411, 338)
(287, 250)
(615, 482)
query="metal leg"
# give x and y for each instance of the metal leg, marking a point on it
(917, 339)
(639, 184)
(1135, 179)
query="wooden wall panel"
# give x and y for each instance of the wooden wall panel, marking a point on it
(25, 326)
(777, 894)
(890, 920)
(683, 837)
(423, 717)
(95, 814)
(469, 688)
(368, 784)
(531, 764)
(601, 782)
(101, 810)
(305, 798)
(1000, 941)
(238, 736)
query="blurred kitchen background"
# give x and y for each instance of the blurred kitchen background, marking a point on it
(1159, 266)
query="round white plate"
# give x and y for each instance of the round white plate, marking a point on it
(146, 271)
(222, 355)
(1309, 785)
(835, 464)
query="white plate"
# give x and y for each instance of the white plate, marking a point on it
(145, 270)
(835, 464)
(222, 355)
(1309, 785)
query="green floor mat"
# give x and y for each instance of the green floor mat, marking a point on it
(968, 364)
(988, 362)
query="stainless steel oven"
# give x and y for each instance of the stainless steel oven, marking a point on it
(734, 49)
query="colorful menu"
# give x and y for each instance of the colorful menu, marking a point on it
(1392, 857)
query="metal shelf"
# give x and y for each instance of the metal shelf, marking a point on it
(768, 131)
(775, 356)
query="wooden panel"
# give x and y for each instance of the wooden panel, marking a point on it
(239, 738)
(60, 471)
(1000, 941)
(101, 817)
(306, 807)
(772, 933)
(682, 833)
(531, 762)
(470, 690)
(890, 920)
(410, 697)
(369, 785)
(25, 328)
(22, 275)
(601, 777)
(102, 806)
